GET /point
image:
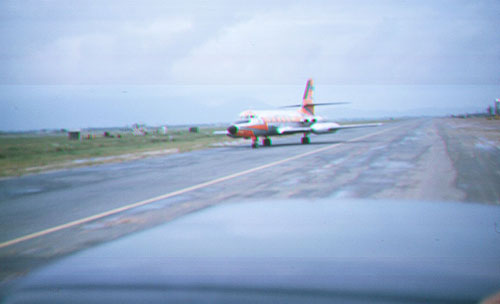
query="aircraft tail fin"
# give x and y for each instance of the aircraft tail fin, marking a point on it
(307, 106)
(307, 100)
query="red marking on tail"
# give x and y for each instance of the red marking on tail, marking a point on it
(307, 100)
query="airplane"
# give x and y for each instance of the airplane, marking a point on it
(266, 123)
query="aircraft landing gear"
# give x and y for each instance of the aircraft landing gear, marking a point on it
(306, 140)
(255, 143)
(266, 142)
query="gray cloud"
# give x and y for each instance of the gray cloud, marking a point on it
(95, 42)
(399, 43)
(161, 42)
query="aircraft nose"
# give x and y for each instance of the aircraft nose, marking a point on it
(232, 130)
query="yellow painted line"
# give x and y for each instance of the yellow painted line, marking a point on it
(175, 193)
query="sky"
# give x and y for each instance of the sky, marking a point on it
(76, 64)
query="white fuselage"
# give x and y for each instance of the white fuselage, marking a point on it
(256, 123)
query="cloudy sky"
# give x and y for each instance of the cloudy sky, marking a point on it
(107, 63)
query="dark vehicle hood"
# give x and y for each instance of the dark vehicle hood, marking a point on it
(290, 251)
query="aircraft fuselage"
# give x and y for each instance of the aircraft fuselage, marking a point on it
(254, 124)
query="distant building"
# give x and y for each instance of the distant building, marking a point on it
(74, 134)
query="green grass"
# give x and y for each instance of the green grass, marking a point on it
(27, 153)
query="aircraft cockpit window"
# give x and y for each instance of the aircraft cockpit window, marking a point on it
(242, 121)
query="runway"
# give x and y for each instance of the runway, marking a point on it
(48, 215)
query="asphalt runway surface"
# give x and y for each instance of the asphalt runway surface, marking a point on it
(49, 215)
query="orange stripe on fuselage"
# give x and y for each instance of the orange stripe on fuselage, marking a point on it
(259, 127)
(245, 133)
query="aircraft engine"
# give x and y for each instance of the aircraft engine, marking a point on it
(325, 127)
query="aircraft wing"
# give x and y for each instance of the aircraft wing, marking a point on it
(324, 127)
(360, 125)
(225, 132)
